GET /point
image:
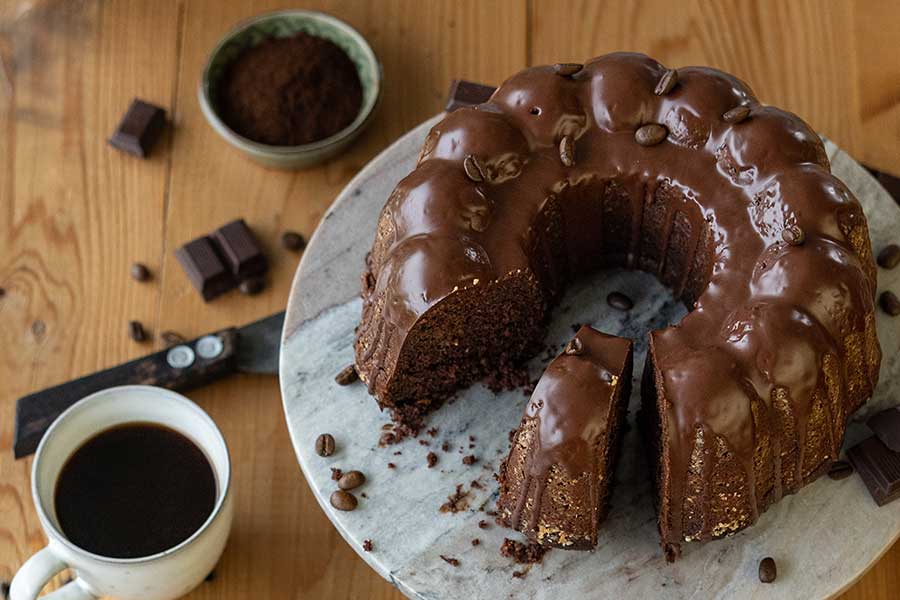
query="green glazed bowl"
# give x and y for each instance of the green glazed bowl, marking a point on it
(286, 23)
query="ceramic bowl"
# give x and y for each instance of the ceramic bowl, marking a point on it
(285, 24)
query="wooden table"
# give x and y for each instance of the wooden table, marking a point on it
(75, 214)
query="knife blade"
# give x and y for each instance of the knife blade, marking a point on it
(253, 348)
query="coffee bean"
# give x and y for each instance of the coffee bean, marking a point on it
(650, 134)
(793, 235)
(343, 500)
(889, 257)
(574, 347)
(293, 241)
(619, 301)
(767, 570)
(474, 169)
(666, 82)
(469, 460)
(351, 480)
(170, 338)
(347, 375)
(140, 272)
(136, 331)
(889, 303)
(736, 114)
(840, 469)
(567, 69)
(325, 444)
(252, 286)
(567, 151)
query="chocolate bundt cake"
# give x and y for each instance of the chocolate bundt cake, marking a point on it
(622, 162)
(555, 484)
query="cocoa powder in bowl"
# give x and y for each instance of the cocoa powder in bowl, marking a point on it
(290, 91)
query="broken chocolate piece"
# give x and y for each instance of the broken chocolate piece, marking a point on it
(886, 425)
(205, 268)
(240, 249)
(467, 93)
(879, 467)
(139, 128)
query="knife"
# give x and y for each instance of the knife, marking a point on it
(252, 348)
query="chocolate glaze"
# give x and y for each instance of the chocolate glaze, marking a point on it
(704, 210)
(577, 406)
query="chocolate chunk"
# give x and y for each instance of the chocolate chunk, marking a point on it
(325, 445)
(736, 114)
(240, 249)
(391, 466)
(432, 459)
(136, 331)
(650, 134)
(469, 460)
(367, 545)
(889, 303)
(140, 272)
(203, 266)
(347, 375)
(336, 474)
(139, 128)
(343, 500)
(889, 257)
(293, 241)
(483, 524)
(476, 542)
(840, 469)
(450, 561)
(619, 301)
(768, 571)
(467, 93)
(522, 553)
(886, 425)
(351, 480)
(879, 467)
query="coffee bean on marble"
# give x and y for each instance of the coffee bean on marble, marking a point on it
(768, 571)
(252, 286)
(650, 134)
(619, 301)
(140, 272)
(293, 241)
(351, 480)
(343, 500)
(889, 257)
(889, 303)
(347, 375)
(136, 331)
(840, 469)
(325, 444)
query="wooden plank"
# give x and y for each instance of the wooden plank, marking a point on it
(283, 546)
(73, 212)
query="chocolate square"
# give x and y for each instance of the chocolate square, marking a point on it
(240, 249)
(879, 467)
(205, 268)
(467, 93)
(886, 426)
(139, 128)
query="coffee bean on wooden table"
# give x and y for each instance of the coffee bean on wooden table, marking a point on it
(136, 331)
(140, 272)
(351, 480)
(325, 445)
(889, 303)
(619, 301)
(171, 338)
(252, 286)
(293, 241)
(840, 469)
(768, 571)
(889, 257)
(343, 500)
(347, 375)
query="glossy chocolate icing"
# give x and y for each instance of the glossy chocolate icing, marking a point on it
(707, 207)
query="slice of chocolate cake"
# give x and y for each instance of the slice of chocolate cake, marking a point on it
(556, 482)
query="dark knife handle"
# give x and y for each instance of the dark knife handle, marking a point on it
(35, 412)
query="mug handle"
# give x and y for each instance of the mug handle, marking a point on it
(37, 571)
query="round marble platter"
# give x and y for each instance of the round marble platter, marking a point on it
(823, 538)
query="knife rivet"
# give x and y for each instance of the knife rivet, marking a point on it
(210, 346)
(180, 357)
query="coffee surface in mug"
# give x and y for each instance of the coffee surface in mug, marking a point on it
(134, 490)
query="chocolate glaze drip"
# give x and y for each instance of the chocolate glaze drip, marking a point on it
(704, 209)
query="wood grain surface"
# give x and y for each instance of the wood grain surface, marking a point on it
(74, 214)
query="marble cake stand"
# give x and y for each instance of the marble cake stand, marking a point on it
(823, 538)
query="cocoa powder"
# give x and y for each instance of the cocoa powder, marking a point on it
(290, 91)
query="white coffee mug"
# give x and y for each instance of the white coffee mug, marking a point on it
(163, 576)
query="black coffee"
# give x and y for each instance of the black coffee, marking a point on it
(134, 490)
